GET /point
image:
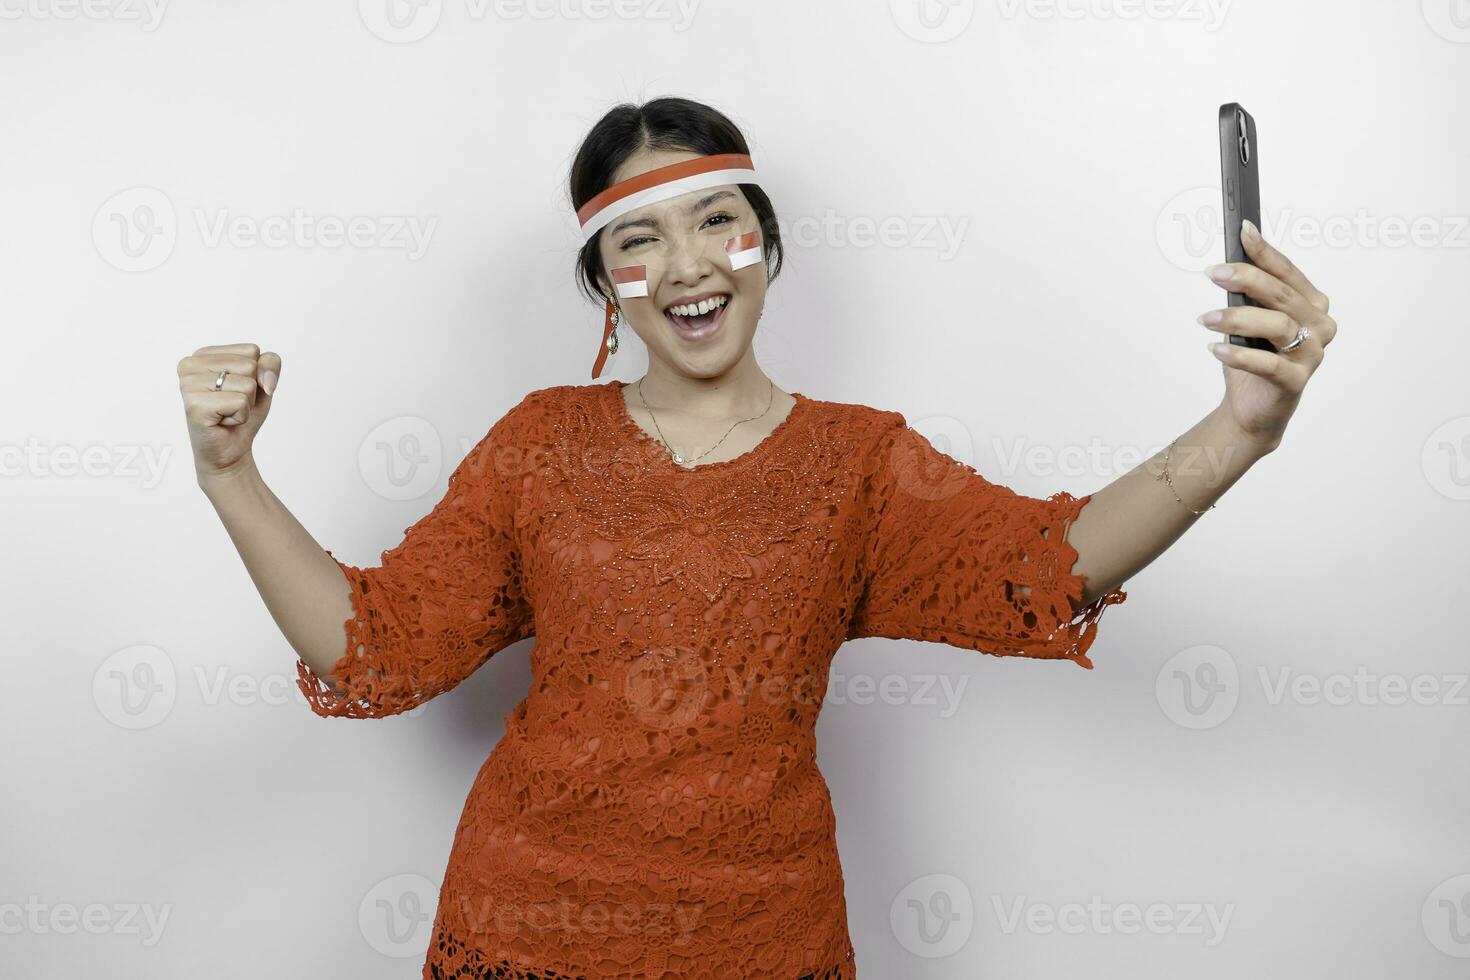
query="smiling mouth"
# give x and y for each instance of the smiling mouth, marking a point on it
(699, 325)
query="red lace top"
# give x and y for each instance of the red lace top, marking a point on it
(654, 809)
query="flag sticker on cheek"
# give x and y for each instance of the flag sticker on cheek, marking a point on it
(631, 281)
(744, 250)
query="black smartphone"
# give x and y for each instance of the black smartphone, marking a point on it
(1240, 184)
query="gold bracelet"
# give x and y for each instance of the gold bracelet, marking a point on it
(1164, 475)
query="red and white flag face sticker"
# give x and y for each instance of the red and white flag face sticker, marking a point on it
(631, 281)
(744, 250)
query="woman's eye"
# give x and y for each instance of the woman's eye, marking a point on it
(717, 219)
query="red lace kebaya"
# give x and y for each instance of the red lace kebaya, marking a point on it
(654, 809)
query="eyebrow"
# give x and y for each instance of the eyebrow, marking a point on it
(698, 205)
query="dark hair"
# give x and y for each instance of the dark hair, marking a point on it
(662, 124)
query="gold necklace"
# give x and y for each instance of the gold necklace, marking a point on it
(678, 458)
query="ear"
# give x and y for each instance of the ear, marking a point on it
(604, 284)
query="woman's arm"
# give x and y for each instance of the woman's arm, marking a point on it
(377, 640)
(1132, 520)
(306, 591)
(227, 390)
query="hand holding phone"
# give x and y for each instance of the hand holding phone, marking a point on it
(1241, 188)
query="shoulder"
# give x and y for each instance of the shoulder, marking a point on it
(539, 407)
(867, 421)
(514, 434)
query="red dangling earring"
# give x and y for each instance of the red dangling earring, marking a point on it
(609, 343)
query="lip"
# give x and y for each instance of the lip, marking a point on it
(704, 332)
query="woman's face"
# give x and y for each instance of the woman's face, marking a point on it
(681, 244)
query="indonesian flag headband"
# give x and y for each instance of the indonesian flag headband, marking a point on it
(742, 247)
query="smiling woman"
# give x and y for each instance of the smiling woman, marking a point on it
(666, 194)
(674, 545)
(634, 782)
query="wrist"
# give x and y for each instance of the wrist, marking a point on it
(1250, 445)
(240, 473)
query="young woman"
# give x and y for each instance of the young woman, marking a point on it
(689, 552)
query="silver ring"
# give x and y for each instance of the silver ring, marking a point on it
(1302, 334)
(219, 381)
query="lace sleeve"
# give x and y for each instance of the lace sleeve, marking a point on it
(440, 603)
(956, 559)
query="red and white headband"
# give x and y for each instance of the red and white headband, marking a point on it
(662, 184)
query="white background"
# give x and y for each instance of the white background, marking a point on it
(1075, 148)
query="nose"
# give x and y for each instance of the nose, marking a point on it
(687, 261)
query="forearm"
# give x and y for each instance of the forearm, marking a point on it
(307, 594)
(1131, 521)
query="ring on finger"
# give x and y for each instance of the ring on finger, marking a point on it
(1303, 334)
(219, 380)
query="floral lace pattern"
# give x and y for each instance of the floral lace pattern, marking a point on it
(654, 809)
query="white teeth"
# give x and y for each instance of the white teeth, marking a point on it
(698, 308)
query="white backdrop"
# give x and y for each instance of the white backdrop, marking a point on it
(997, 213)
